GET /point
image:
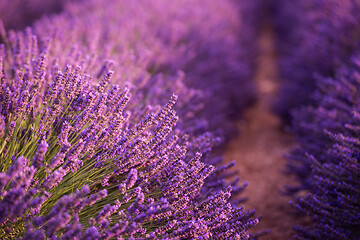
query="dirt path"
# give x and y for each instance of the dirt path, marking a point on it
(259, 148)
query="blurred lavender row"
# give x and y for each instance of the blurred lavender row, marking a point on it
(327, 159)
(80, 160)
(18, 14)
(313, 38)
(318, 43)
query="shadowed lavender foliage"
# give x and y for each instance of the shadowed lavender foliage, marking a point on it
(313, 37)
(18, 14)
(80, 160)
(327, 160)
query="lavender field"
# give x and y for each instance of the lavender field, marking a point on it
(186, 119)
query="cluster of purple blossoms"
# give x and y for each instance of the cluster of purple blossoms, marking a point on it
(321, 80)
(80, 160)
(313, 38)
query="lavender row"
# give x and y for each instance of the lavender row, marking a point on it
(326, 161)
(317, 41)
(80, 160)
(313, 37)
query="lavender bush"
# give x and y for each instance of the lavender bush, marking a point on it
(313, 37)
(190, 49)
(80, 160)
(77, 163)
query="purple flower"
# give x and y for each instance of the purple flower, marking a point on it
(40, 153)
(2, 126)
(90, 233)
(131, 178)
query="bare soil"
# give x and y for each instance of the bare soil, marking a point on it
(259, 151)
